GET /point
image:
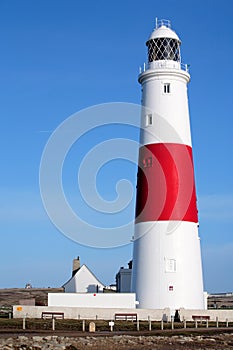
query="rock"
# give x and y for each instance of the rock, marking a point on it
(116, 337)
(71, 347)
(22, 338)
(184, 339)
(37, 339)
(118, 342)
(48, 338)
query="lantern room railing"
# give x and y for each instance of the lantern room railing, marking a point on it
(162, 22)
(163, 64)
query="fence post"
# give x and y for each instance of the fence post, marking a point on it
(53, 324)
(111, 324)
(226, 322)
(149, 321)
(172, 322)
(162, 324)
(24, 323)
(207, 323)
(138, 326)
(217, 321)
(184, 323)
(83, 325)
(195, 323)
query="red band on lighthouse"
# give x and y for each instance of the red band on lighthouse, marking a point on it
(166, 187)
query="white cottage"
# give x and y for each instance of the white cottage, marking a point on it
(82, 280)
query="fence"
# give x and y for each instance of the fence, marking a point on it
(110, 325)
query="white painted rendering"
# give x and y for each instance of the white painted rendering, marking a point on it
(84, 281)
(167, 270)
(93, 300)
(170, 111)
(21, 311)
(167, 255)
(206, 300)
(164, 32)
(82, 313)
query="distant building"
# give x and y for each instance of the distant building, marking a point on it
(82, 280)
(220, 301)
(110, 289)
(123, 279)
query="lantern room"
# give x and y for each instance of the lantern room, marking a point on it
(163, 44)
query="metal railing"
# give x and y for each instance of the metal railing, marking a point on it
(162, 22)
(163, 65)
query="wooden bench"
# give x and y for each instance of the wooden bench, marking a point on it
(126, 317)
(200, 318)
(51, 315)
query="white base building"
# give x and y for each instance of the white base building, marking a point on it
(93, 300)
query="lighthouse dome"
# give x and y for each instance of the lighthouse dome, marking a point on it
(164, 32)
(164, 43)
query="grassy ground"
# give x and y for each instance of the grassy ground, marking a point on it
(101, 326)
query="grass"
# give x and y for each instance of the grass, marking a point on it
(101, 325)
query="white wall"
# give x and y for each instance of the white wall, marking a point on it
(83, 281)
(88, 313)
(20, 311)
(96, 300)
(152, 250)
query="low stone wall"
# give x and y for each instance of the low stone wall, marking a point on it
(222, 315)
(21, 311)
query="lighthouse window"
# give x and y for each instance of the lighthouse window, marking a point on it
(147, 162)
(166, 88)
(163, 49)
(149, 119)
(170, 265)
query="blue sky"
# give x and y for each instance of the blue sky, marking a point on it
(58, 57)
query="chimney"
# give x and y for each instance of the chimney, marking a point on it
(76, 266)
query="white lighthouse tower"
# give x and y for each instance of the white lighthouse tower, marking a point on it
(167, 268)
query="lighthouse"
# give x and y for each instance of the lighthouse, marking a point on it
(167, 267)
